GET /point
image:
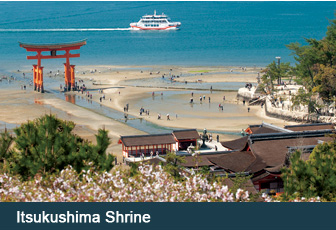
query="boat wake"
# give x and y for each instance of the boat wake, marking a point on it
(64, 30)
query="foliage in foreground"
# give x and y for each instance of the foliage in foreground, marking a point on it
(47, 144)
(151, 184)
(315, 177)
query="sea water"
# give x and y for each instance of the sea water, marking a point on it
(211, 34)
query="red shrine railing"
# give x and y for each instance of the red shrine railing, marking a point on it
(69, 70)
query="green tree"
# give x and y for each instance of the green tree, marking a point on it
(325, 82)
(47, 144)
(306, 98)
(172, 164)
(273, 72)
(6, 141)
(316, 63)
(314, 177)
(306, 57)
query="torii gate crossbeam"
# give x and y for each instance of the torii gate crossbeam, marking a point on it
(69, 70)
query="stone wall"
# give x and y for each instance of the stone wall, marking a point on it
(297, 116)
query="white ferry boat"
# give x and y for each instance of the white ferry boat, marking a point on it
(155, 22)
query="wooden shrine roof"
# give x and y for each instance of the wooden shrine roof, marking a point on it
(142, 140)
(186, 134)
(310, 127)
(233, 162)
(237, 144)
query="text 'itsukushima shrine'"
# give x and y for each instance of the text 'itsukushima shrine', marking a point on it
(69, 70)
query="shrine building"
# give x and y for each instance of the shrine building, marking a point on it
(158, 144)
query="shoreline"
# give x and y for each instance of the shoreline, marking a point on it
(233, 118)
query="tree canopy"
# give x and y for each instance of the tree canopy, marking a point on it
(315, 177)
(47, 144)
(273, 73)
(315, 65)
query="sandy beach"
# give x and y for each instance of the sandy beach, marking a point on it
(233, 118)
(18, 106)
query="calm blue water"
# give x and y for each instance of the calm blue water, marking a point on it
(212, 33)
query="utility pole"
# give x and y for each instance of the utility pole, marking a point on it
(334, 105)
(279, 77)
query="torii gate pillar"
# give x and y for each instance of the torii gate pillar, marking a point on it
(69, 70)
(38, 78)
(69, 77)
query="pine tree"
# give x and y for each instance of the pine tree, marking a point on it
(47, 144)
(5, 143)
(314, 177)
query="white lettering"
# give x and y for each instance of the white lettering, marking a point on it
(110, 215)
(146, 218)
(45, 217)
(96, 218)
(117, 217)
(62, 218)
(29, 218)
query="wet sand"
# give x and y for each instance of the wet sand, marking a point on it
(233, 118)
(18, 106)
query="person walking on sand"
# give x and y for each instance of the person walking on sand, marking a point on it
(168, 117)
(248, 109)
(192, 94)
(209, 99)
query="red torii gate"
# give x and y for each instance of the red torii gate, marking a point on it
(69, 70)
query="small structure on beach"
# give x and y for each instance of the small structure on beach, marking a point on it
(53, 49)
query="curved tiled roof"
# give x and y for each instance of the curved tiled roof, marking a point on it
(186, 134)
(233, 162)
(142, 140)
(310, 127)
(237, 144)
